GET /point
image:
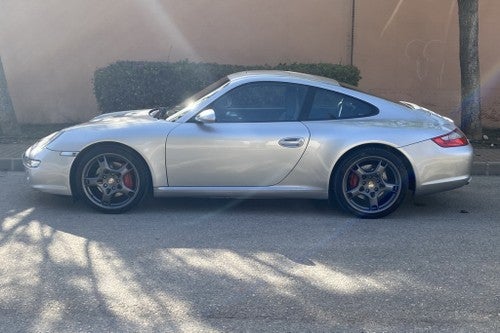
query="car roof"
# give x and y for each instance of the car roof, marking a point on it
(262, 75)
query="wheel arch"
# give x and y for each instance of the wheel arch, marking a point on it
(398, 153)
(99, 144)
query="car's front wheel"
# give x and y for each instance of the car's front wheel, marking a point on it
(370, 183)
(111, 178)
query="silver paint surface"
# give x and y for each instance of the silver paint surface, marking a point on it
(274, 159)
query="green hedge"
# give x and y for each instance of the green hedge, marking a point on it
(128, 85)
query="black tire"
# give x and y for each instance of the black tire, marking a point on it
(111, 178)
(370, 183)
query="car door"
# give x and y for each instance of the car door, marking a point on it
(256, 139)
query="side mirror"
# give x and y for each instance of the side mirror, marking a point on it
(205, 116)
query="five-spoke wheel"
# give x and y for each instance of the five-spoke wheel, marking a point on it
(111, 178)
(370, 183)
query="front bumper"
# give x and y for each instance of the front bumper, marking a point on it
(48, 170)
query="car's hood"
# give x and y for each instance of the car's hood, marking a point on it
(119, 119)
(136, 115)
(124, 127)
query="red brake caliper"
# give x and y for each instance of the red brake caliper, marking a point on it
(128, 180)
(353, 180)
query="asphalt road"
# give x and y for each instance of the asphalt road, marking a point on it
(265, 266)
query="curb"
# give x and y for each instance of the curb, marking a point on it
(478, 168)
(11, 164)
(486, 169)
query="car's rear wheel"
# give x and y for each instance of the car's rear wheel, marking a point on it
(370, 183)
(111, 178)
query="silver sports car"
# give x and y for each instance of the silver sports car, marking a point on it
(258, 134)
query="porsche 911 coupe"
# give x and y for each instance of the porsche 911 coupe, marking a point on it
(258, 134)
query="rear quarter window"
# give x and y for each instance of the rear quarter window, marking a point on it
(327, 105)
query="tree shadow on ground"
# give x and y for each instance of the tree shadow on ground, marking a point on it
(223, 265)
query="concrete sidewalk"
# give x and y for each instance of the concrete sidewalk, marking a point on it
(486, 160)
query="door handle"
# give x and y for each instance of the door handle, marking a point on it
(291, 142)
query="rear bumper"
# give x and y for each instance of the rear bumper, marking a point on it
(442, 185)
(439, 169)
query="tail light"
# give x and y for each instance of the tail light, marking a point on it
(453, 139)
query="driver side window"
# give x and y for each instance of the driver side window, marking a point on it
(260, 102)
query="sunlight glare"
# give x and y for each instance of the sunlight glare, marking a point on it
(158, 11)
(393, 15)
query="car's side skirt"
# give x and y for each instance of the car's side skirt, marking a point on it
(305, 192)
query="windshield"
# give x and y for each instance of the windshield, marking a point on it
(176, 112)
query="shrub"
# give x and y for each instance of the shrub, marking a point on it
(127, 85)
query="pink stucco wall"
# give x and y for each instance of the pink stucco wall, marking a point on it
(405, 49)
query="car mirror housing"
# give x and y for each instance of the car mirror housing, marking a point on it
(206, 116)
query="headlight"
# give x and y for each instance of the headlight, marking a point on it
(30, 162)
